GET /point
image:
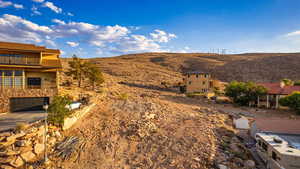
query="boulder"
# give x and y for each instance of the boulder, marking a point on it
(9, 153)
(39, 148)
(21, 143)
(52, 141)
(25, 149)
(221, 166)
(4, 160)
(249, 164)
(234, 147)
(5, 134)
(28, 156)
(17, 162)
(6, 167)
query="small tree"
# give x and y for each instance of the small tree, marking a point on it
(297, 83)
(93, 74)
(288, 82)
(292, 101)
(243, 93)
(76, 69)
(58, 110)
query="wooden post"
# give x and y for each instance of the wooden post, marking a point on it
(277, 101)
(268, 104)
(23, 79)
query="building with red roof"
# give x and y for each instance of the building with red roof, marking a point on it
(275, 91)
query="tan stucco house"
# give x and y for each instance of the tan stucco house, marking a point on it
(199, 82)
(28, 76)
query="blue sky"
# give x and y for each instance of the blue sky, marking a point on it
(101, 28)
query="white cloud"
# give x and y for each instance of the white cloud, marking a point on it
(110, 39)
(5, 4)
(162, 36)
(58, 21)
(35, 11)
(14, 28)
(51, 6)
(18, 6)
(70, 14)
(295, 33)
(72, 44)
(38, 1)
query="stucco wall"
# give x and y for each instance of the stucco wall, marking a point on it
(197, 84)
(6, 94)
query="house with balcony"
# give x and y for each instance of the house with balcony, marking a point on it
(199, 82)
(28, 76)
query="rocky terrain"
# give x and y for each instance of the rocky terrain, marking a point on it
(258, 67)
(144, 124)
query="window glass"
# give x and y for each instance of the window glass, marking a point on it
(8, 72)
(34, 82)
(264, 146)
(7, 82)
(274, 156)
(18, 72)
(18, 82)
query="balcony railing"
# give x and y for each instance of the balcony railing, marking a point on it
(19, 60)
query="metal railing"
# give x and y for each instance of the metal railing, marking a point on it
(19, 60)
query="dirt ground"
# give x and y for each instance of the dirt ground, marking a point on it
(140, 124)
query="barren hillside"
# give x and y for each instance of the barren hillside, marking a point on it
(267, 67)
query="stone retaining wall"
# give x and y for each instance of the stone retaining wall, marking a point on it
(25, 147)
(6, 94)
(70, 121)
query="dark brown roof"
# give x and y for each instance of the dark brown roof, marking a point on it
(26, 47)
(274, 88)
(276, 125)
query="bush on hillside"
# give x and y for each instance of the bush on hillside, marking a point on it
(58, 110)
(292, 101)
(243, 93)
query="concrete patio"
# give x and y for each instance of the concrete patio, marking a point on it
(8, 121)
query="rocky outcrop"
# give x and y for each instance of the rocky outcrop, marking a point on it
(19, 148)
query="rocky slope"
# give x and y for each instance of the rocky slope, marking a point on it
(267, 67)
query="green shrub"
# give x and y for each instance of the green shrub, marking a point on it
(288, 82)
(58, 111)
(292, 101)
(195, 94)
(297, 83)
(243, 93)
(123, 96)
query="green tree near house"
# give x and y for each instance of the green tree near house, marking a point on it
(288, 82)
(94, 74)
(58, 110)
(292, 101)
(76, 70)
(243, 93)
(297, 83)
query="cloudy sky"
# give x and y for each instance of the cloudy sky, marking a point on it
(102, 28)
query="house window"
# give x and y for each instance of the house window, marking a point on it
(264, 146)
(11, 78)
(197, 75)
(203, 82)
(34, 82)
(274, 156)
(190, 82)
(188, 76)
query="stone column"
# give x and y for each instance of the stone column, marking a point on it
(277, 101)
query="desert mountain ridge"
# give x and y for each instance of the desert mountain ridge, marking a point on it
(257, 67)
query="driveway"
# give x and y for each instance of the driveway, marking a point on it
(8, 121)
